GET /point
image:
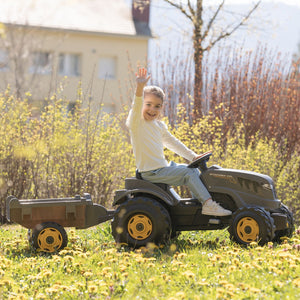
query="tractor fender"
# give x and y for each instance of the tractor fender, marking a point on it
(122, 195)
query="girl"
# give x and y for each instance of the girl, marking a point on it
(149, 136)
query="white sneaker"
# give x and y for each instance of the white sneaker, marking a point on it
(212, 208)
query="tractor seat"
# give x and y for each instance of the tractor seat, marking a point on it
(163, 186)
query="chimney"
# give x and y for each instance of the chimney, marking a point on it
(141, 11)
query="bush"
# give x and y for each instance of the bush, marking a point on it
(62, 153)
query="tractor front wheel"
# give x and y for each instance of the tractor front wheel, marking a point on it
(49, 237)
(251, 224)
(140, 221)
(288, 232)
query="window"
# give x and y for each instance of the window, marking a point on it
(3, 61)
(107, 68)
(41, 63)
(69, 64)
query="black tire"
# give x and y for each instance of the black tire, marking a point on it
(49, 237)
(140, 221)
(290, 220)
(252, 224)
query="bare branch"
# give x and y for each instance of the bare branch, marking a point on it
(230, 32)
(181, 8)
(212, 20)
(191, 8)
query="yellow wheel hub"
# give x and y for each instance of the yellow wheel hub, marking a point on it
(139, 227)
(49, 239)
(247, 229)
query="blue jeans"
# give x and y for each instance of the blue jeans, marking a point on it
(179, 174)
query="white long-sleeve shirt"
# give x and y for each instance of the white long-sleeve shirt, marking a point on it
(148, 139)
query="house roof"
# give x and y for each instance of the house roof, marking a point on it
(97, 16)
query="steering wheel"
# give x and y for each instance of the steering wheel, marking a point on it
(200, 160)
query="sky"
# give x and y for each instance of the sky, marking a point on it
(276, 23)
(289, 2)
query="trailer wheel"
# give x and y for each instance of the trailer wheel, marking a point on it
(49, 237)
(140, 221)
(251, 224)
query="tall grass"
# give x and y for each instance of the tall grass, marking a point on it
(259, 89)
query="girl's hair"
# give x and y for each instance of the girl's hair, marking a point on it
(154, 90)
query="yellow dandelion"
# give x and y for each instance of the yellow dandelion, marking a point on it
(80, 285)
(278, 283)
(223, 282)
(151, 259)
(180, 294)
(151, 265)
(46, 274)
(87, 274)
(152, 279)
(188, 274)
(68, 258)
(256, 266)
(254, 290)
(106, 269)
(296, 282)
(100, 263)
(247, 265)
(105, 294)
(122, 268)
(253, 244)
(259, 249)
(63, 252)
(92, 289)
(230, 287)
(181, 255)
(203, 283)
(231, 268)
(83, 255)
(277, 263)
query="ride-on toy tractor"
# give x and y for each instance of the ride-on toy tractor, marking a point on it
(152, 213)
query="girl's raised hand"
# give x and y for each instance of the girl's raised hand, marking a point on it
(141, 77)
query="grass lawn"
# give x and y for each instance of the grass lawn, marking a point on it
(196, 265)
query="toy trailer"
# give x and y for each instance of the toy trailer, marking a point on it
(46, 218)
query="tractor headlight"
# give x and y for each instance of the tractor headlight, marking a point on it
(267, 186)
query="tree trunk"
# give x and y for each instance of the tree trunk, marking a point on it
(198, 56)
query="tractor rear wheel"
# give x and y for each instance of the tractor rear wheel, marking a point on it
(49, 237)
(251, 224)
(140, 221)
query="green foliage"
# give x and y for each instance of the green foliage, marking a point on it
(288, 184)
(61, 153)
(201, 265)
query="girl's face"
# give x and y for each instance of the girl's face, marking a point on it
(152, 107)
